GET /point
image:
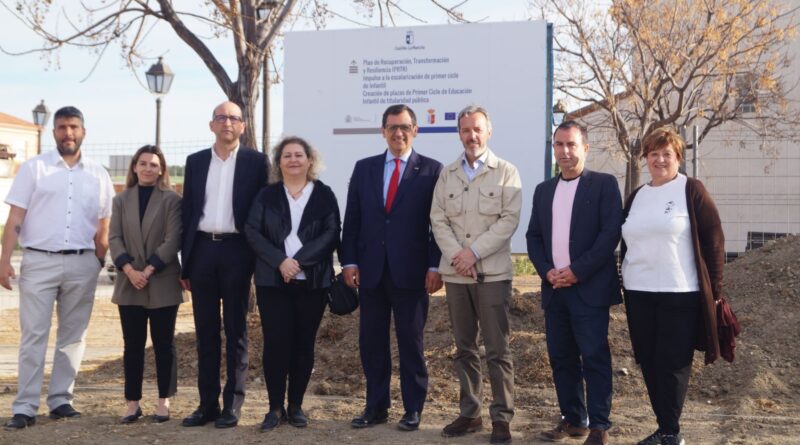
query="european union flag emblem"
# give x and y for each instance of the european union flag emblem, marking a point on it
(449, 116)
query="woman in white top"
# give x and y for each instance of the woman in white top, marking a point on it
(672, 259)
(293, 227)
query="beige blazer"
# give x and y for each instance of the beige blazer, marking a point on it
(482, 214)
(158, 233)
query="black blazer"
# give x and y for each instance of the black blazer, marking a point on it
(250, 175)
(594, 233)
(270, 222)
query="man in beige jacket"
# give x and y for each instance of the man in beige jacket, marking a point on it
(475, 211)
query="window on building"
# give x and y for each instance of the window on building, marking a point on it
(6, 153)
(747, 92)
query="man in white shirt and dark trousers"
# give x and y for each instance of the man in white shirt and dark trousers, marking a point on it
(60, 209)
(573, 232)
(217, 263)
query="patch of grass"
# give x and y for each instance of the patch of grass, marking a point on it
(522, 265)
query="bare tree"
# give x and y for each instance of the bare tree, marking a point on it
(645, 64)
(96, 25)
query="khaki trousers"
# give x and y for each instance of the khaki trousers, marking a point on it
(69, 282)
(482, 307)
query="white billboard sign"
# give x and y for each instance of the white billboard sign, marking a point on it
(338, 83)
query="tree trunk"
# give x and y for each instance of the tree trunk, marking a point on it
(248, 103)
(245, 94)
(633, 169)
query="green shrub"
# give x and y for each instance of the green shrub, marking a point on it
(522, 265)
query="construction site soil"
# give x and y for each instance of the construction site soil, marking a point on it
(755, 400)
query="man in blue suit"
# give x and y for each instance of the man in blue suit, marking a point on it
(574, 228)
(219, 187)
(389, 253)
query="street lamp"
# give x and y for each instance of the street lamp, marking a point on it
(559, 111)
(557, 118)
(40, 116)
(159, 79)
(262, 11)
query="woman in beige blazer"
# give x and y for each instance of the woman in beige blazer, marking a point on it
(145, 238)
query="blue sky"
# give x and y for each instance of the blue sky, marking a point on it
(115, 101)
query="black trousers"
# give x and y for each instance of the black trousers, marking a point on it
(410, 310)
(162, 333)
(290, 317)
(663, 327)
(221, 270)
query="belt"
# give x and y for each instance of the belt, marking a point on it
(219, 236)
(61, 252)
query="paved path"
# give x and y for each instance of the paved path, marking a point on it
(107, 344)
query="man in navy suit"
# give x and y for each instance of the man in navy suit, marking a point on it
(389, 253)
(574, 228)
(219, 186)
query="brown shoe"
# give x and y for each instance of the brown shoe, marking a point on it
(597, 437)
(501, 433)
(462, 426)
(563, 431)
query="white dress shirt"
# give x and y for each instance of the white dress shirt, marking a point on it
(388, 170)
(296, 207)
(217, 214)
(63, 204)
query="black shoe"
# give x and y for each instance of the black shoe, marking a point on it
(65, 410)
(160, 419)
(201, 416)
(273, 419)
(296, 416)
(20, 421)
(228, 419)
(672, 439)
(132, 418)
(409, 422)
(653, 439)
(371, 417)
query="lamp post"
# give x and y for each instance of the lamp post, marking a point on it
(559, 111)
(40, 116)
(262, 12)
(159, 79)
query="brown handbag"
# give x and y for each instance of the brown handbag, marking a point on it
(727, 330)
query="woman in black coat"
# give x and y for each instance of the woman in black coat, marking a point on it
(294, 228)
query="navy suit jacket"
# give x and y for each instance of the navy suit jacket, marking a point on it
(249, 176)
(370, 236)
(594, 233)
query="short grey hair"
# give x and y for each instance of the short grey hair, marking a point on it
(472, 109)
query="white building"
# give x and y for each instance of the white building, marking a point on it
(755, 182)
(18, 142)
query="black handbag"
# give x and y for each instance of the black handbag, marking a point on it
(342, 299)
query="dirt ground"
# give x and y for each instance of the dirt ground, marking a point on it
(755, 400)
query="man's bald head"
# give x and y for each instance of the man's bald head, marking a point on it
(227, 123)
(225, 105)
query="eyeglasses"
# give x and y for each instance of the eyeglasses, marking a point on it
(222, 118)
(405, 128)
